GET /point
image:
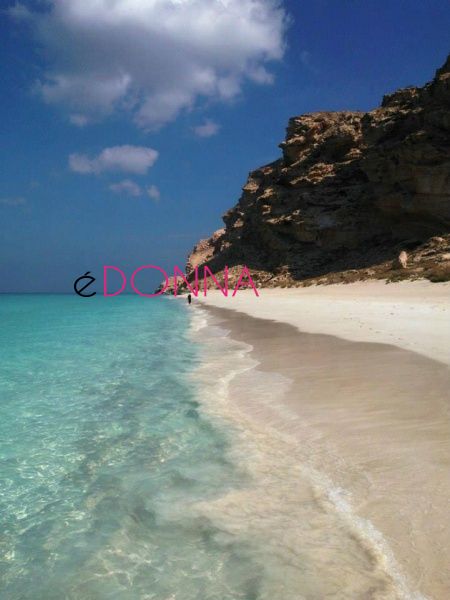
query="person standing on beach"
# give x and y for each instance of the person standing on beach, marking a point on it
(189, 298)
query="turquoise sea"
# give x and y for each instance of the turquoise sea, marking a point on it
(103, 452)
(140, 458)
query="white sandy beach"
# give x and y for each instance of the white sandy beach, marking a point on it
(366, 404)
(413, 315)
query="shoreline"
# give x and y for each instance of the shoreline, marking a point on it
(370, 417)
(413, 315)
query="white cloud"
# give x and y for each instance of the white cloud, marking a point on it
(126, 187)
(153, 58)
(207, 129)
(13, 201)
(154, 193)
(261, 75)
(130, 159)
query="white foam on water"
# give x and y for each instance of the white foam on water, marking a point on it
(198, 321)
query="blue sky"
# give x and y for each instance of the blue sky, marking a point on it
(127, 132)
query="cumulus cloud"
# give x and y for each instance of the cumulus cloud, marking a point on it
(13, 201)
(207, 129)
(126, 187)
(130, 159)
(153, 58)
(154, 193)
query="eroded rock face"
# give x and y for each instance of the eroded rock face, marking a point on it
(350, 192)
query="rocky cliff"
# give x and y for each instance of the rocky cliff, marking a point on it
(355, 195)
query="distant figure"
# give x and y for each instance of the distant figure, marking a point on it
(403, 259)
(189, 298)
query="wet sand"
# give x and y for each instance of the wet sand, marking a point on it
(373, 418)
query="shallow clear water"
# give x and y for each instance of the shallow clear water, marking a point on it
(104, 454)
(144, 455)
